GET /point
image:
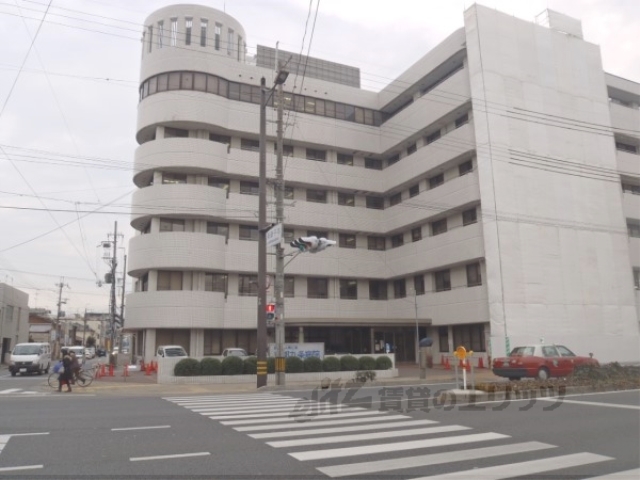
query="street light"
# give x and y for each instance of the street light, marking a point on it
(261, 380)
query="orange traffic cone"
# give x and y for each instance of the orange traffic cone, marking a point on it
(467, 365)
(111, 373)
(125, 372)
(447, 365)
(480, 362)
(147, 370)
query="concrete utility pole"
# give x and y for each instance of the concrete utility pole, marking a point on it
(56, 345)
(124, 283)
(261, 380)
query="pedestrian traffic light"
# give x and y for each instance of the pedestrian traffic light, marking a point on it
(271, 312)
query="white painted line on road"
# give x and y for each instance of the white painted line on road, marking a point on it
(300, 442)
(352, 428)
(165, 457)
(619, 475)
(270, 401)
(139, 428)
(594, 404)
(27, 434)
(222, 398)
(229, 408)
(25, 467)
(396, 447)
(431, 459)
(523, 468)
(308, 413)
(9, 390)
(304, 421)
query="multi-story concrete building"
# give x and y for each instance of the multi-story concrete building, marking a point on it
(14, 319)
(488, 195)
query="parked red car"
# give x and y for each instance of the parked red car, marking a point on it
(541, 361)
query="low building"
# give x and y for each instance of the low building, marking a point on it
(14, 319)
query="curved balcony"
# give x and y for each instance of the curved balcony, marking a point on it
(182, 201)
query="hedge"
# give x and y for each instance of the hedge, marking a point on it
(271, 365)
(366, 363)
(187, 367)
(250, 365)
(210, 366)
(232, 366)
(348, 363)
(330, 364)
(312, 364)
(294, 365)
(383, 363)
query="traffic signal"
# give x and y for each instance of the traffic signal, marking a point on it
(312, 244)
(271, 312)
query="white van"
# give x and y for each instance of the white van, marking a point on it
(29, 358)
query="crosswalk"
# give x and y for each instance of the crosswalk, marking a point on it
(18, 391)
(338, 437)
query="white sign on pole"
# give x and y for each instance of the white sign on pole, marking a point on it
(274, 235)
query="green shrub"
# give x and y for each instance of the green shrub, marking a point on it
(271, 365)
(348, 363)
(250, 365)
(232, 366)
(366, 363)
(210, 366)
(383, 363)
(363, 376)
(294, 365)
(187, 367)
(330, 364)
(312, 364)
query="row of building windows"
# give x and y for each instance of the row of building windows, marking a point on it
(633, 227)
(627, 147)
(318, 287)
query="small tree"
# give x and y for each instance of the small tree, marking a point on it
(330, 364)
(187, 367)
(312, 364)
(383, 363)
(348, 363)
(294, 365)
(250, 366)
(91, 341)
(232, 366)
(366, 363)
(210, 366)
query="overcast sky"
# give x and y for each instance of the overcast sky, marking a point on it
(67, 121)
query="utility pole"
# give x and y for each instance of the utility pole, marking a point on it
(124, 282)
(112, 302)
(261, 379)
(279, 280)
(61, 285)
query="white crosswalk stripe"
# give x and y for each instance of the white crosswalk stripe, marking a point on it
(285, 422)
(19, 391)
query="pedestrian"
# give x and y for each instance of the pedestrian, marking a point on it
(67, 374)
(75, 368)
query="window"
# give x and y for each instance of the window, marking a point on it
(214, 228)
(462, 120)
(634, 229)
(319, 155)
(287, 150)
(377, 290)
(150, 35)
(200, 82)
(215, 282)
(250, 145)
(636, 278)
(288, 234)
(288, 193)
(219, 182)
(347, 240)
(171, 225)
(239, 47)
(399, 288)
(443, 339)
(168, 280)
(187, 81)
(375, 202)
(249, 232)
(163, 82)
(344, 159)
(626, 147)
(438, 227)
(317, 196)
(469, 216)
(144, 283)
(317, 287)
(173, 178)
(628, 188)
(416, 234)
(188, 24)
(346, 199)
(348, 289)
(375, 243)
(433, 137)
(412, 149)
(395, 199)
(217, 32)
(220, 138)
(397, 240)
(418, 284)
(289, 287)
(160, 33)
(248, 285)
(249, 188)
(414, 190)
(175, 133)
(465, 167)
(393, 159)
(174, 32)
(436, 181)
(474, 276)
(318, 233)
(174, 81)
(373, 163)
(443, 280)
(229, 41)
(469, 336)
(203, 32)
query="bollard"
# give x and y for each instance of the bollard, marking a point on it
(103, 370)
(125, 371)
(111, 374)
(147, 370)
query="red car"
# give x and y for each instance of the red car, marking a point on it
(541, 361)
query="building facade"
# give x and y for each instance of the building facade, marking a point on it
(487, 197)
(14, 319)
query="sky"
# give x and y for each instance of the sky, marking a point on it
(68, 104)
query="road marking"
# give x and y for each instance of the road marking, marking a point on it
(9, 390)
(366, 436)
(27, 434)
(310, 413)
(595, 404)
(139, 428)
(257, 408)
(395, 447)
(523, 468)
(25, 467)
(165, 457)
(220, 398)
(619, 475)
(431, 459)
(238, 403)
(303, 421)
(353, 428)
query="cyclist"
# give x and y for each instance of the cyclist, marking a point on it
(75, 368)
(66, 376)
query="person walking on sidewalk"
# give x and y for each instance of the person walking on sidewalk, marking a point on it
(67, 373)
(75, 368)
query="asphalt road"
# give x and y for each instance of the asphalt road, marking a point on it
(256, 436)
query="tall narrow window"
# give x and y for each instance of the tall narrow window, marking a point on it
(443, 280)
(215, 282)
(474, 277)
(160, 33)
(218, 32)
(229, 41)
(204, 23)
(188, 24)
(239, 47)
(174, 32)
(150, 35)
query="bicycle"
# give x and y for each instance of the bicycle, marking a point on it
(84, 378)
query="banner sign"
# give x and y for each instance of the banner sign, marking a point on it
(300, 350)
